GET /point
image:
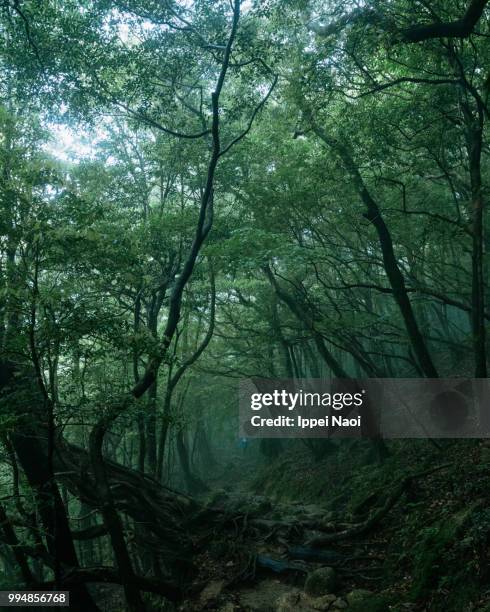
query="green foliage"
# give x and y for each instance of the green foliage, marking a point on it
(433, 567)
(321, 581)
(375, 603)
(106, 116)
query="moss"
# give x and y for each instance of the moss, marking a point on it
(428, 560)
(322, 581)
(463, 589)
(373, 603)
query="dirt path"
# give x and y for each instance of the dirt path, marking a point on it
(260, 562)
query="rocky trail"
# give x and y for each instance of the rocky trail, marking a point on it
(280, 557)
(388, 546)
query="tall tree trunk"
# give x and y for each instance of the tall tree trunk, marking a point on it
(112, 520)
(34, 462)
(151, 428)
(32, 447)
(140, 419)
(87, 552)
(193, 482)
(167, 402)
(395, 277)
(474, 146)
(287, 365)
(141, 442)
(10, 538)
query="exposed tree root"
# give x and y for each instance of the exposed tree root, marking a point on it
(177, 528)
(376, 516)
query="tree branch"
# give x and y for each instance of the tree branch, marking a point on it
(460, 28)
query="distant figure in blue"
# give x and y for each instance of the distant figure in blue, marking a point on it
(243, 443)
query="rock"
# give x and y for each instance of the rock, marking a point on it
(296, 601)
(228, 607)
(357, 596)
(211, 591)
(264, 596)
(322, 581)
(289, 602)
(322, 603)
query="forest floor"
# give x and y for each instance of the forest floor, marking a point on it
(390, 542)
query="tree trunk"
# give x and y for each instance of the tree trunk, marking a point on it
(112, 520)
(151, 428)
(33, 460)
(194, 483)
(474, 140)
(395, 277)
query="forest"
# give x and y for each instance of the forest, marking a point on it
(196, 192)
